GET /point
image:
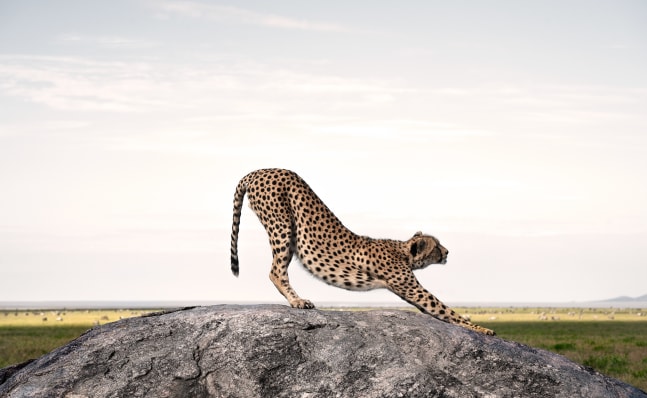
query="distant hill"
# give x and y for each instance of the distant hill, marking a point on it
(627, 298)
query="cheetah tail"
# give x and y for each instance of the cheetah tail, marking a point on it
(241, 189)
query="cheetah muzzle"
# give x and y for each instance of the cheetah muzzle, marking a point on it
(298, 222)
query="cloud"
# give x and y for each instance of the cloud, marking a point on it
(113, 42)
(196, 95)
(244, 16)
(81, 84)
(414, 131)
(233, 88)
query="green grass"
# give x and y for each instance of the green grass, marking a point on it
(617, 348)
(20, 343)
(30, 334)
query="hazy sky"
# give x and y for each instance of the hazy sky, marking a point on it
(515, 132)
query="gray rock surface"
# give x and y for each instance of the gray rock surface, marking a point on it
(276, 351)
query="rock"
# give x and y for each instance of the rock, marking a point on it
(276, 351)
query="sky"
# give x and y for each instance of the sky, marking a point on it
(514, 132)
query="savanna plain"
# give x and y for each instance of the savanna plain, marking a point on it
(611, 341)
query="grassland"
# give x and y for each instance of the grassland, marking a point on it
(27, 334)
(613, 342)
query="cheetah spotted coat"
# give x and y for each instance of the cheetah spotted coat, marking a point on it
(298, 222)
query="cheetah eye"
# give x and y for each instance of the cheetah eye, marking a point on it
(422, 245)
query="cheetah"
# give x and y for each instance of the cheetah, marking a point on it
(298, 222)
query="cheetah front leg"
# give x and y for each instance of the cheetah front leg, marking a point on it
(411, 291)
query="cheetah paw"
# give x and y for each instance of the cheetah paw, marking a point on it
(301, 303)
(485, 331)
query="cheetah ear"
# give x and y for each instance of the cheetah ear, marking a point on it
(419, 233)
(417, 247)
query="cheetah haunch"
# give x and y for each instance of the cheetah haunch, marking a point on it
(298, 222)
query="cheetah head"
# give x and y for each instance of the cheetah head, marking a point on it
(425, 250)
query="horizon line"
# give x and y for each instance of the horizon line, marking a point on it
(166, 304)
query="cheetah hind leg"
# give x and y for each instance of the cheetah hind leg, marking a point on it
(279, 276)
